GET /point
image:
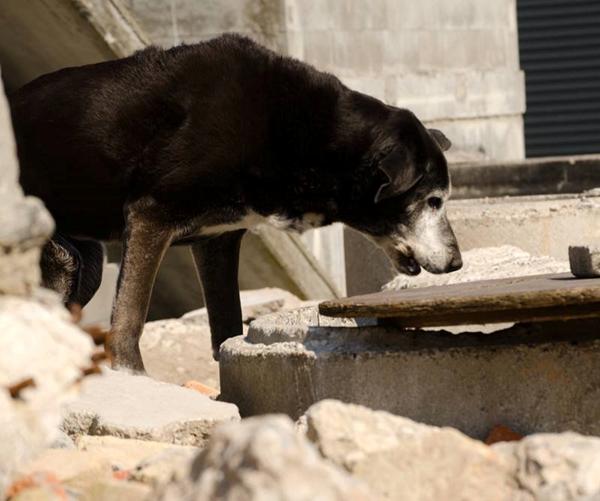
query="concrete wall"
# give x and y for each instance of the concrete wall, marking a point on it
(454, 63)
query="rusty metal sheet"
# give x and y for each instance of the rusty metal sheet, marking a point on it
(517, 299)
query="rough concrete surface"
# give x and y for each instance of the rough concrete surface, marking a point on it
(532, 378)
(585, 260)
(177, 351)
(401, 459)
(128, 406)
(486, 263)
(264, 458)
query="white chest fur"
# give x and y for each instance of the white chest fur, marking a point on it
(252, 220)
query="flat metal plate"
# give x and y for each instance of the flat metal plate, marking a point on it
(517, 299)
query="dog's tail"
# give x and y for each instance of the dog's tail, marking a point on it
(72, 267)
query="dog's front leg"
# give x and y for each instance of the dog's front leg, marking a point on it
(217, 261)
(144, 245)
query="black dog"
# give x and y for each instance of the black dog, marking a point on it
(197, 143)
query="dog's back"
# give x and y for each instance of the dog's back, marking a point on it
(90, 137)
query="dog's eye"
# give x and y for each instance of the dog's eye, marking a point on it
(435, 202)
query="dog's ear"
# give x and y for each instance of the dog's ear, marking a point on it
(401, 172)
(442, 141)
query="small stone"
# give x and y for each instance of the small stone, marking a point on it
(201, 388)
(502, 433)
(130, 406)
(585, 260)
(264, 458)
(110, 490)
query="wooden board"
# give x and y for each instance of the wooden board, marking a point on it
(531, 298)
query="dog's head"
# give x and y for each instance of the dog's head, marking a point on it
(407, 212)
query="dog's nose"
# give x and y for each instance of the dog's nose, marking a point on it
(455, 264)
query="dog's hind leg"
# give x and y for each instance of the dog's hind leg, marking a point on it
(144, 244)
(217, 261)
(72, 267)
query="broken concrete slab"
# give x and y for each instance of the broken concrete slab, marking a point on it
(585, 260)
(264, 458)
(401, 459)
(179, 350)
(129, 406)
(290, 360)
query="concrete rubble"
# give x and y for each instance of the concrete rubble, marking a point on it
(557, 467)
(131, 406)
(178, 350)
(264, 458)
(401, 459)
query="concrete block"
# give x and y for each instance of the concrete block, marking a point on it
(424, 50)
(288, 361)
(138, 407)
(585, 260)
(170, 23)
(439, 95)
(532, 176)
(435, 15)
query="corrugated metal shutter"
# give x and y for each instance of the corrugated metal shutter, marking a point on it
(559, 45)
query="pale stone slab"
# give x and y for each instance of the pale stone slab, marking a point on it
(129, 406)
